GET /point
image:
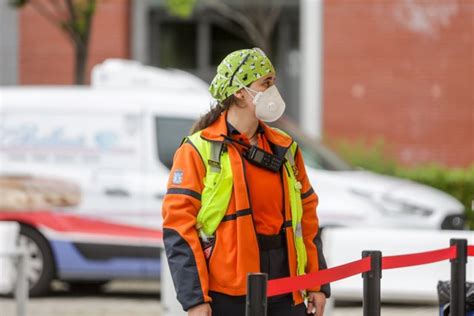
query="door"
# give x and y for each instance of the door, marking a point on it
(164, 135)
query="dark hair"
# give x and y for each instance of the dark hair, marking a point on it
(213, 114)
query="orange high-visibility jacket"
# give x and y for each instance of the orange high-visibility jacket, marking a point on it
(236, 251)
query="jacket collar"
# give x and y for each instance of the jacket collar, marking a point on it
(214, 131)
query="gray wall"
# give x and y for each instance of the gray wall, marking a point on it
(8, 44)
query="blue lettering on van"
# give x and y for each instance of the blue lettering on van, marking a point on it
(106, 139)
(29, 135)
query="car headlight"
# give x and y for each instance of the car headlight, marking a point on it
(394, 206)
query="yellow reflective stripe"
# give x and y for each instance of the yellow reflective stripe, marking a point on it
(215, 197)
(218, 184)
(296, 211)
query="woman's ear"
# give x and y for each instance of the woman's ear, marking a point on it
(239, 94)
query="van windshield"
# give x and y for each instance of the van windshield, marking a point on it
(170, 131)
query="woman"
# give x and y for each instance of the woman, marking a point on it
(239, 200)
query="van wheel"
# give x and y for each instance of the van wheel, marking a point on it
(40, 270)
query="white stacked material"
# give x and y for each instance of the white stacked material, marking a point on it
(8, 237)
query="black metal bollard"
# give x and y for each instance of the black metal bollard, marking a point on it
(371, 300)
(256, 301)
(458, 278)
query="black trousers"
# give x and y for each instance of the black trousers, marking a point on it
(274, 262)
(226, 305)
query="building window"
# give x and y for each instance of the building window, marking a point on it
(173, 42)
(198, 44)
(224, 42)
(178, 45)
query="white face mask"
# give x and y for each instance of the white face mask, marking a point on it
(269, 105)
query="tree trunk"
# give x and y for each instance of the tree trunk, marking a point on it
(80, 63)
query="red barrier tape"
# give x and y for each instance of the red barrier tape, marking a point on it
(290, 284)
(415, 259)
(307, 281)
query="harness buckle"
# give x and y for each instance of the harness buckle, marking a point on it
(214, 164)
(295, 170)
(298, 185)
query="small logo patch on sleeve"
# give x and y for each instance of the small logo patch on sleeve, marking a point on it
(178, 176)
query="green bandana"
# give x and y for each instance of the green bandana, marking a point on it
(238, 69)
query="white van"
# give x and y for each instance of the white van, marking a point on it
(84, 170)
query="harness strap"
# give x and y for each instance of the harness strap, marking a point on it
(291, 159)
(215, 159)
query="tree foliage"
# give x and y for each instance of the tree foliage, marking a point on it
(256, 19)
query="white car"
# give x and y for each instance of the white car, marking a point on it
(84, 171)
(354, 197)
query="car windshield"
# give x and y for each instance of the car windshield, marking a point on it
(315, 154)
(170, 132)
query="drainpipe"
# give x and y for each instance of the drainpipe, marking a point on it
(311, 87)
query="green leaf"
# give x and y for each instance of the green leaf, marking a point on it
(180, 8)
(17, 3)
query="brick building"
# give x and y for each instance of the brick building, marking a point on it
(401, 70)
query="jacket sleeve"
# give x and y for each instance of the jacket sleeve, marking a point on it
(180, 208)
(310, 226)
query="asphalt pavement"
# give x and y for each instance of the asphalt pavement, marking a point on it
(133, 298)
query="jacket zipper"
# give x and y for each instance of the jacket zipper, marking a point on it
(249, 198)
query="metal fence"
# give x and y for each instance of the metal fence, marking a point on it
(371, 266)
(21, 287)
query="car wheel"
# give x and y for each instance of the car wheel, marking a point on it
(87, 286)
(40, 271)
